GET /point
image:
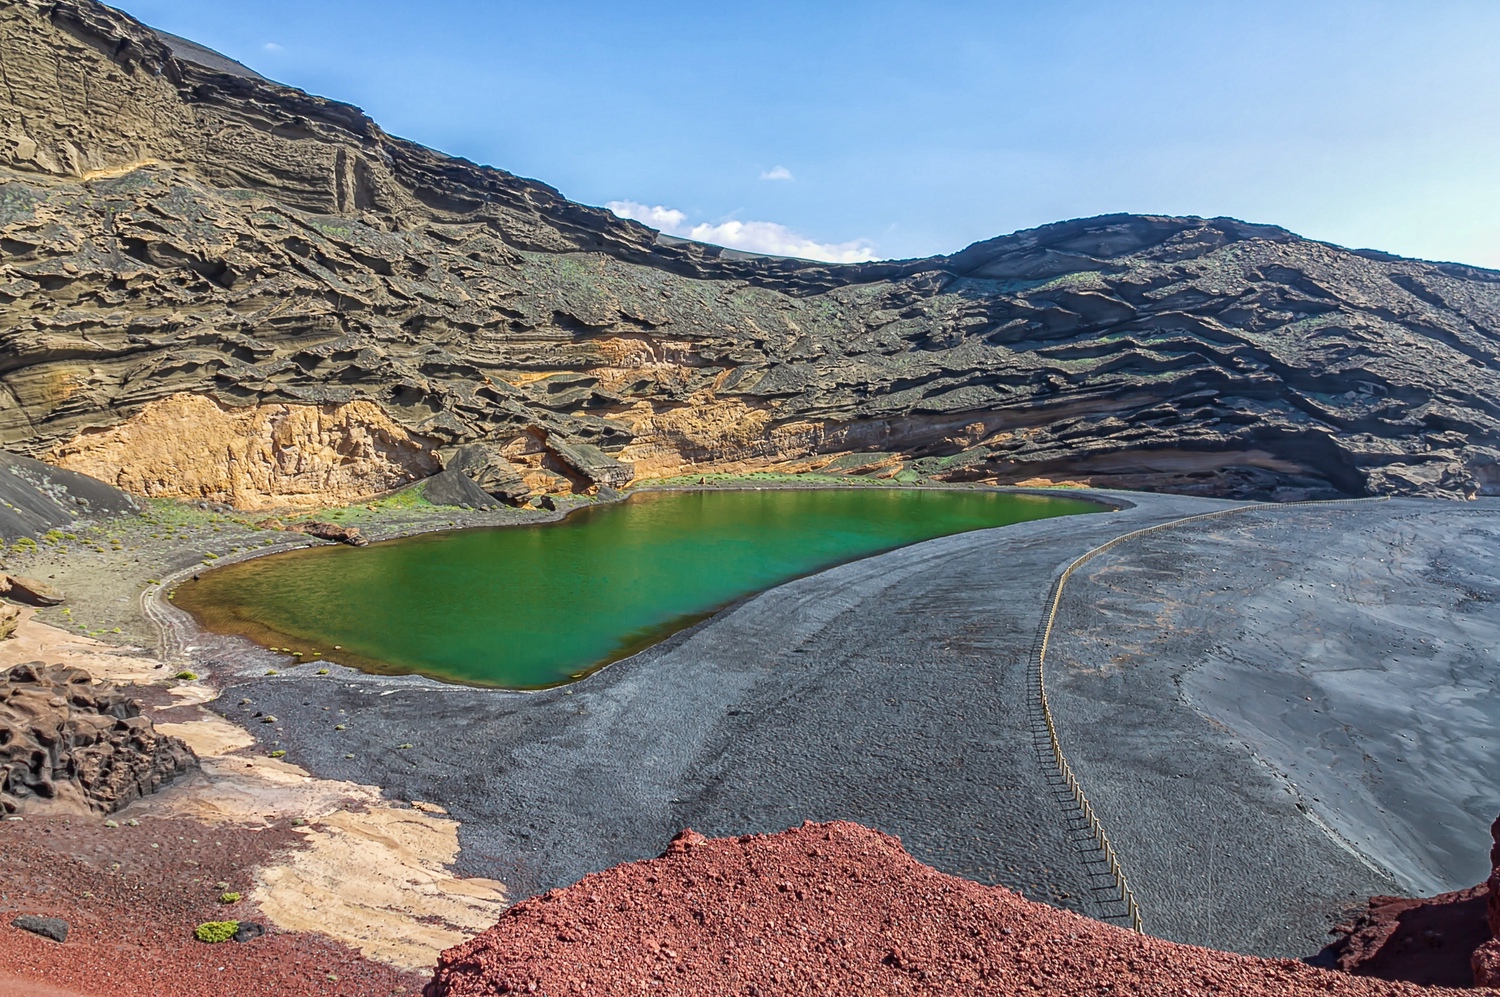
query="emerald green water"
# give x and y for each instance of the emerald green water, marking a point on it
(532, 606)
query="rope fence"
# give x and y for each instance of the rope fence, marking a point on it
(1108, 856)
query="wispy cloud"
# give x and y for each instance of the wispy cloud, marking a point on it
(272, 47)
(777, 173)
(771, 238)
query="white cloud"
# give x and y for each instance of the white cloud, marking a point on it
(272, 47)
(770, 238)
(778, 240)
(777, 173)
(669, 220)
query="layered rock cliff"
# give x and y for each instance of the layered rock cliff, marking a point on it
(173, 225)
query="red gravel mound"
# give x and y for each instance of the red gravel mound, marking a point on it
(835, 909)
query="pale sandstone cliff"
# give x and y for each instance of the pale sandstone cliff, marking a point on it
(256, 457)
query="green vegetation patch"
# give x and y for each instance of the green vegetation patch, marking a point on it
(214, 932)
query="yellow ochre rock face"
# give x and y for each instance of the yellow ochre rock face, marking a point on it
(257, 457)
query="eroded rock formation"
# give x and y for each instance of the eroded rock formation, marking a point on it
(66, 744)
(175, 226)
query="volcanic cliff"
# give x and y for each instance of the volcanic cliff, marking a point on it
(335, 312)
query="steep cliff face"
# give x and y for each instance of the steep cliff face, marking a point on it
(254, 457)
(167, 227)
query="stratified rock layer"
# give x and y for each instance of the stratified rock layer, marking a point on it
(836, 909)
(175, 224)
(66, 744)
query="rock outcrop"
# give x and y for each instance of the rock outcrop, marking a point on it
(835, 909)
(172, 224)
(1429, 941)
(1486, 959)
(1452, 939)
(68, 745)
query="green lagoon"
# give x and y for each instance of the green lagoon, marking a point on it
(532, 606)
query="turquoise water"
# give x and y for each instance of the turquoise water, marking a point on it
(533, 606)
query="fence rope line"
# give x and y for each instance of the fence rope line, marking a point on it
(1107, 856)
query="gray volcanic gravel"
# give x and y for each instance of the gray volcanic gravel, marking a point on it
(892, 692)
(1349, 652)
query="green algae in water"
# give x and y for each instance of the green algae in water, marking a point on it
(532, 606)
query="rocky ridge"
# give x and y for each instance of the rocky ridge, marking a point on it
(173, 227)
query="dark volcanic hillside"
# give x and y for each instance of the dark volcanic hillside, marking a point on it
(215, 286)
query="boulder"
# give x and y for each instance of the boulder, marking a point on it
(589, 462)
(66, 744)
(31, 590)
(10, 619)
(331, 531)
(249, 931)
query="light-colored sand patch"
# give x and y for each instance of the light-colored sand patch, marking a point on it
(377, 880)
(213, 736)
(372, 876)
(37, 641)
(251, 789)
(192, 695)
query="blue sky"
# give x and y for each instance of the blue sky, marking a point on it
(851, 129)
